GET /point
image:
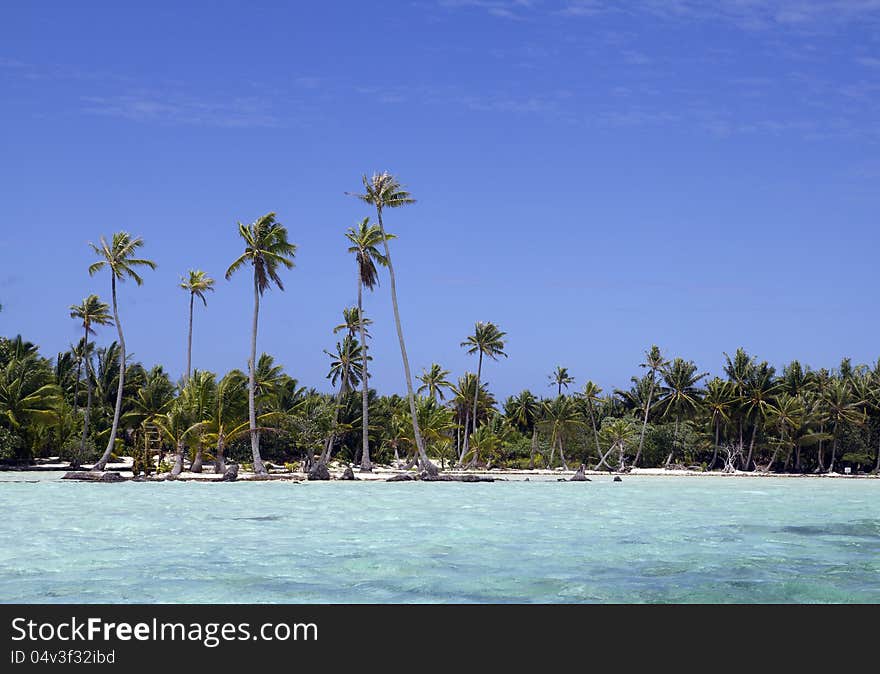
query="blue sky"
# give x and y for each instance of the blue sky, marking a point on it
(593, 176)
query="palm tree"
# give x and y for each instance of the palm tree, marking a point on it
(383, 191)
(365, 240)
(434, 381)
(522, 411)
(118, 257)
(266, 250)
(351, 320)
(487, 340)
(91, 311)
(590, 396)
(786, 413)
(681, 395)
(761, 387)
(618, 433)
(196, 283)
(467, 395)
(345, 368)
(738, 369)
(198, 398)
(560, 378)
(152, 400)
(561, 418)
(842, 408)
(719, 400)
(654, 362)
(226, 420)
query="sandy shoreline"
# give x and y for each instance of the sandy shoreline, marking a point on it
(383, 473)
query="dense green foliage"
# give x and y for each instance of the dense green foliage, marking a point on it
(797, 420)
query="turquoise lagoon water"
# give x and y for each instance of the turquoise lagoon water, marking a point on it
(647, 539)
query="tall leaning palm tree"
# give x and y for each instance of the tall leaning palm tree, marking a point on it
(365, 240)
(91, 311)
(266, 250)
(119, 257)
(654, 362)
(196, 283)
(382, 191)
(487, 340)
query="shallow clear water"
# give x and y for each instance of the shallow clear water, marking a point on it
(648, 539)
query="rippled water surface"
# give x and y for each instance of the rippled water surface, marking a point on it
(648, 539)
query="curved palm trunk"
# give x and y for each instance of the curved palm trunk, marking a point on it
(259, 469)
(645, 425)
(366, 464)
(111, 443)
(429, 467)
(189, 340)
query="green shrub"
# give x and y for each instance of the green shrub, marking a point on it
(11, 446)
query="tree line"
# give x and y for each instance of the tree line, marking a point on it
(92, 403)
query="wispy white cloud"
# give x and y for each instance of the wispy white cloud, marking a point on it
(747, 14)
(146, 106)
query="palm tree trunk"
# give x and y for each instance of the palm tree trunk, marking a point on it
(82, 444)
(259, 469)
(189, 340)
(111, 443)
(196, 466)
(178, 459)
(595, 431)
(429, 467)
(219, 458)
(328, 447)
(552, 452)
(877, 462)
(366, 464)
(465, 444)
(79, 361)
(833, 450)
(674, 442)
(562, 452)
(477, 391)
(715, 451)
(534, 448)
(645, 423)
(751, 446)
(821, 457)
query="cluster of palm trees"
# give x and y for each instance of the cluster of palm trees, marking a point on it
(752, 418)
